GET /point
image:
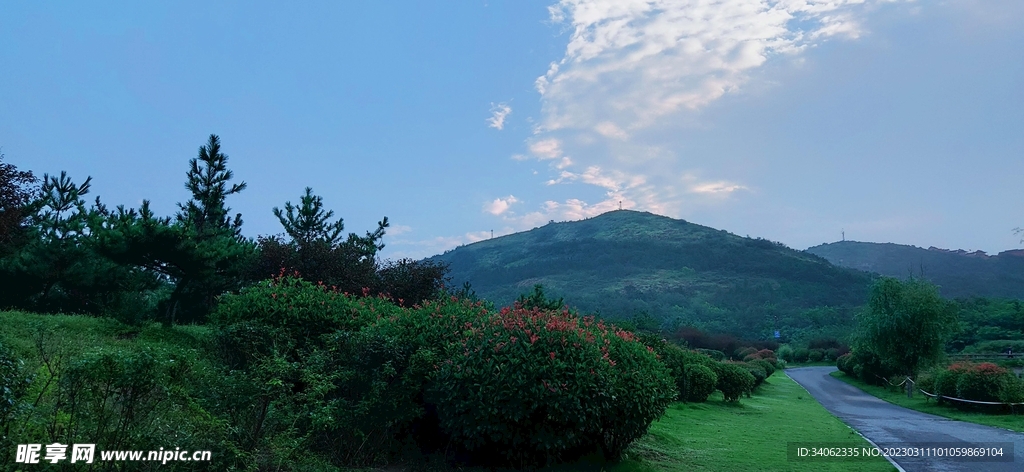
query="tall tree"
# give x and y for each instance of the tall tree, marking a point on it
(316, 249)
(16, 193)
(309, 222)
(206, 214)
(202, 253)
(906, 324)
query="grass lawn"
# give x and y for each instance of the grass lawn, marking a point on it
(925, 405)
(749, 436)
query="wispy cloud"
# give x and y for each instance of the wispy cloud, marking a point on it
(716, 188)
(396, 230)
(629, 62)
(635, 69)
(498, 114)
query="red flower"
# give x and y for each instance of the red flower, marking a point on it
(552, 356)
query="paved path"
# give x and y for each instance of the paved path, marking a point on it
(888, 425)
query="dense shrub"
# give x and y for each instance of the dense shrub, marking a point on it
(535, 386)
(926, 381)
(831, 354)
(845, 364)
(733, 380)
(760, 375)
(786, 353)
(946, 379)
(713, 353)
(14, 381)
(744, 352)
(868, 367)
(981, 382)
(801, 354)
(345, 380)
(767, 365)
(701, 382)
(816, 355)
(125, 398)
(302, 309)
(1012, 390)
(677, 360)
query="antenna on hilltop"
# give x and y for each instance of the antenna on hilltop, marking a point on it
(492, 234)
(844, 234)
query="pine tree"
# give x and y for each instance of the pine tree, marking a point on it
(202, 252)
(310, 223)
(206, 214)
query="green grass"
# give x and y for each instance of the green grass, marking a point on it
(749, 436)
(76, 334)
(925, 405)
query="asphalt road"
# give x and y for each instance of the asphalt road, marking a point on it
(891, 426)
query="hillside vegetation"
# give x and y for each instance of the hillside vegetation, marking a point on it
(958, 274)
(625, 263)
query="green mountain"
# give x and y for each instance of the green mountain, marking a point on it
(625, 263)
(959, 274)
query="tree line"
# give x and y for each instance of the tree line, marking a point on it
(60, 252)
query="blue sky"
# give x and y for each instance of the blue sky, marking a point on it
(896, 121)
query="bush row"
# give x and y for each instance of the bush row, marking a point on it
(360, 379)
(984, 382)
(697, 375)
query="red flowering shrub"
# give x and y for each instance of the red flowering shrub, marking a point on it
(742, 353)
(985, 382)
(539, 386)
(981, 382)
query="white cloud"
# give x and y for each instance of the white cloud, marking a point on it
(550, 148)
(629, 62)
(498, 114)
(610, 130)
(399, 229)
(500, 205)
(716, 188)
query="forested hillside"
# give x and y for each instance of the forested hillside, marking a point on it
(625, 263)
(959, 274)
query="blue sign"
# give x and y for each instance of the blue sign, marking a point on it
(777, 334)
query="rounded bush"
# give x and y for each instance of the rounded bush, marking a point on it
(701, 381)
(816, 355)
(744, 352)
(768, 366)
(713, 354)
(801, 354)
(845, 364)
(533, 387)
(786, 353)
(733, 380)
(868, 367)
(303, 309)
(1012, 390)
(757, 371)
(981, 382)
(945, 382)
(831, 354)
